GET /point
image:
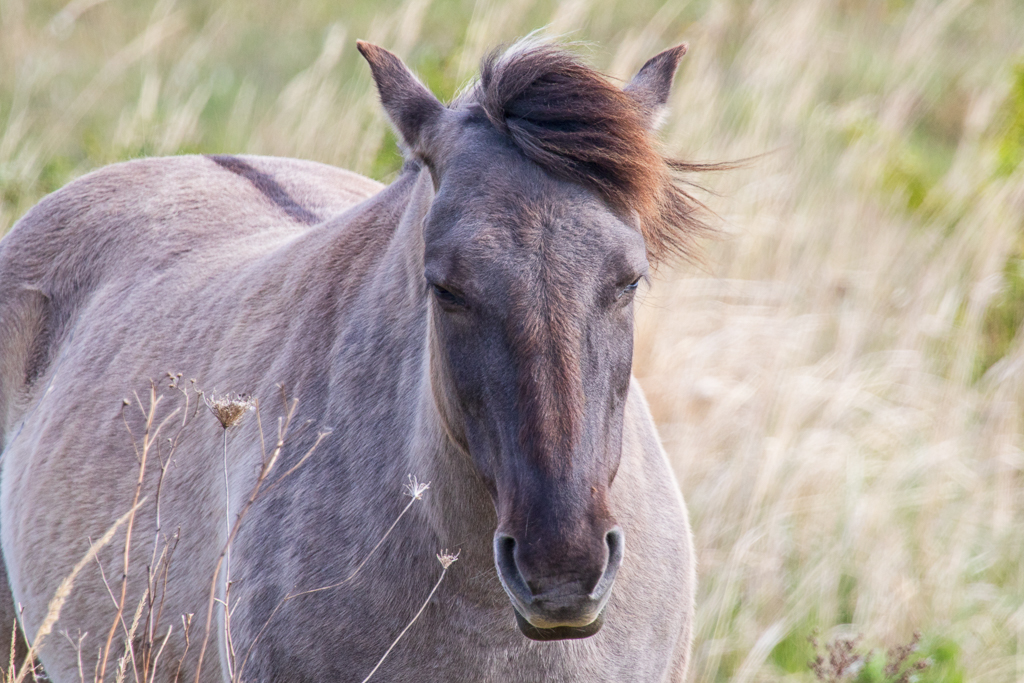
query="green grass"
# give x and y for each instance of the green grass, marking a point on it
(1010, 140)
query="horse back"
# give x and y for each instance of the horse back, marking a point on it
(134, 220)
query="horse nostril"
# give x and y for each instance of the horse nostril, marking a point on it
(508, 570)
(505, 550)
(615, 543)
(616, 547)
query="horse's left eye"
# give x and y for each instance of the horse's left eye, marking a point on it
(629, 289)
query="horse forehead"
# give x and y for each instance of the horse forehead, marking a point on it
(541, 241)
(515, 228)
(539, 270)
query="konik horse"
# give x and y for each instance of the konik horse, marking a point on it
(470, 324)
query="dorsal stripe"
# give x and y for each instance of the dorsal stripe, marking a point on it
(266, 184)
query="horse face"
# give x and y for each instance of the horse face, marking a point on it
(531, 283)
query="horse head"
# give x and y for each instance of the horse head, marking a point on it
(550, 205)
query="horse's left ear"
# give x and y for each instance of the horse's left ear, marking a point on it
(651, 85)
(413, 110)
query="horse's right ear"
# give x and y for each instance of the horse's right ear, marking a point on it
(413, 109)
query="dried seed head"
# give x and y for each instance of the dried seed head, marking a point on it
(414, 489)
(230, 409)
(446, 558)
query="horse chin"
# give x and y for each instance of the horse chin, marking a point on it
(559, 632)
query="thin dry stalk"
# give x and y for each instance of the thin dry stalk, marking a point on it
(156, 658)
(283, 426)
(129, 646)
(446, 561)
(229, 410)
(157, 569)
(149, 436)
(227, 497)
(77, 644)
(154, 608)
(10, 662)
(415, 490)
(186, 624)
(64, 590)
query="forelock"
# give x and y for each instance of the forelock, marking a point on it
(567, 118)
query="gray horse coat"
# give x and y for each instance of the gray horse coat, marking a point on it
(470, 324)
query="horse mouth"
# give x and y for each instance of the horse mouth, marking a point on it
(559, 632)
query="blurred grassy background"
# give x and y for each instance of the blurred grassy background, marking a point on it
(839, 388)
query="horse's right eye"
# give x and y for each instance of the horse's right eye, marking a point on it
(446, 297)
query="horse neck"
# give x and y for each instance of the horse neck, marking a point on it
(379, 385)
(456, 508)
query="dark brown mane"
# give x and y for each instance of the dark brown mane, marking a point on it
(567, 118)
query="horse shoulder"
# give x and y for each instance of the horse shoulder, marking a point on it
(649, 466)
(660, 554)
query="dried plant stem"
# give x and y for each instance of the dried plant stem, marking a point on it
(227, 552)
(227, 497)
(365, 559)
(157, 570)
(415, 491)
(129, 647)
(64, 590)
(265, 470)
(149, 437)
(186, 625)
(9, 675)
(445, 563)
(78, 652)
(156, 658)
(146, 442)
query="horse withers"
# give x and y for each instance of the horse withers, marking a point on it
(471, 323)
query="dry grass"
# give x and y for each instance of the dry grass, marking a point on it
(822, 390)
(839, 389)
(138, 652)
